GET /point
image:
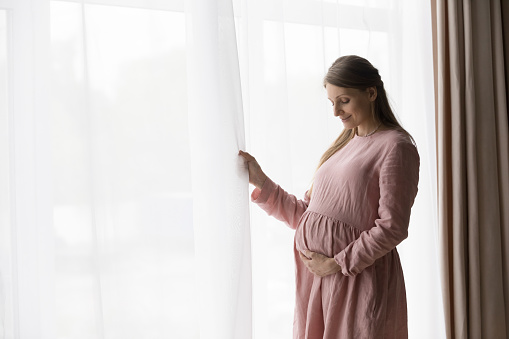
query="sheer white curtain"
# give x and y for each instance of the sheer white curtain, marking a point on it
(123, 203)
(26, 252)
(123, 199)
(286, 48)
(220, 181)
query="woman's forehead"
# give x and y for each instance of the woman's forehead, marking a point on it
(338, 91)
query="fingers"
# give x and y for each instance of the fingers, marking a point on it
(308, 262)
(309, 254)
(303, 257)
(246, 156)
(314, 262)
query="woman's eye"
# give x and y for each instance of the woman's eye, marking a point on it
(342, 102)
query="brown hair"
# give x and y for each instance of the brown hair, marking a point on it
(352, 71)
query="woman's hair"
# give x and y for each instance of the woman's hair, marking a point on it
(352, 71)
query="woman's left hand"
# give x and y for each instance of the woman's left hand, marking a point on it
(319, 264)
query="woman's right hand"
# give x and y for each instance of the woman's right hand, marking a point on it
(256, 175)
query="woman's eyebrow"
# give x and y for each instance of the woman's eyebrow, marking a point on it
(337, 96)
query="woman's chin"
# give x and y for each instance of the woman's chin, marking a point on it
(348, 125)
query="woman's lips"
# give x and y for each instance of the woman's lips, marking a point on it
(345, 119)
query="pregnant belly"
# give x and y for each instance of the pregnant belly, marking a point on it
(324, 235)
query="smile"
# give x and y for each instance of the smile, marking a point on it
(345, 119)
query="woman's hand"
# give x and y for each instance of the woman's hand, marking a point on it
(319, 264)
(256, 175)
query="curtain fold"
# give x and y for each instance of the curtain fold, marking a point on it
(26, 262)
(473, 165)
(219, 177)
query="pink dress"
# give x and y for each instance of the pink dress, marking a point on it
(358, 212)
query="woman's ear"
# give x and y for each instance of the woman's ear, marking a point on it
(372, 93)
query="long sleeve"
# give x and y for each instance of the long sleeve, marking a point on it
(399, 176)
(280, 204)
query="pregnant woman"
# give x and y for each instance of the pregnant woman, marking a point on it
(349, 280)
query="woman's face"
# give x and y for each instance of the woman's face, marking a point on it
(353, 106)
